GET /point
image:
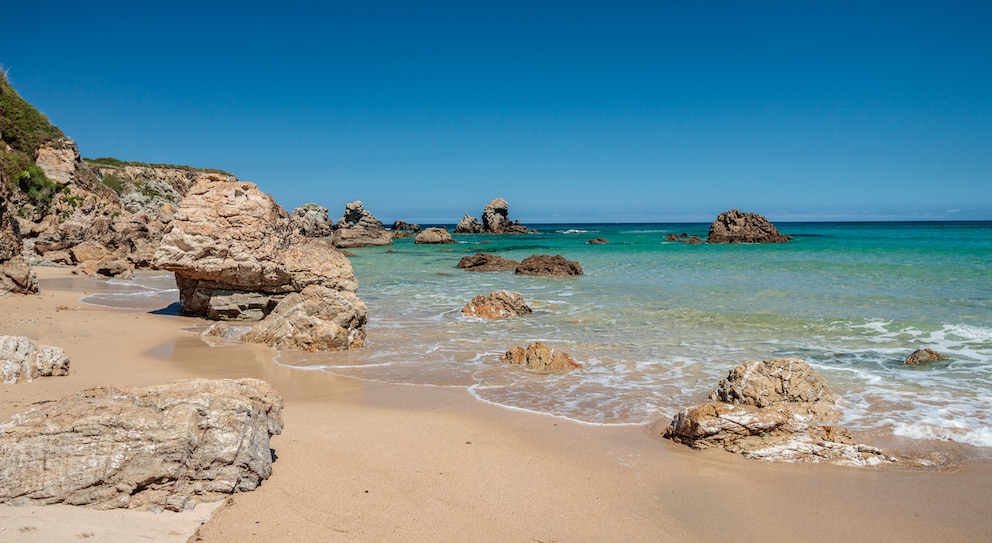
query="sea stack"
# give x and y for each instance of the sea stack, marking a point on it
(738, 227)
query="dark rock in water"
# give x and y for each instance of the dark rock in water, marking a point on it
(501, 304)
(693, 240)
(772, 410)
(737, 227)
(539, 357)
(403, 226)
(434, 235)
(598, 241)
(556, 266)
(921, 357)
(672, 237)
(495, 220)
(485, 262)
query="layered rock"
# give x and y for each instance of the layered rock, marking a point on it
(316, 319)
(468, 225)
(237, 256)
(922, 357)
(162, 447)
(359, 228)
(311, 221)
(434, 235)
(16, 275)
(495, 220)
(486, 262)
(539, 357)
(554, 266)
(774, 410)
(21, 360)
(738, 227)
(501, 304)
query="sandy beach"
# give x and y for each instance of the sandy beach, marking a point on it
(365, 461)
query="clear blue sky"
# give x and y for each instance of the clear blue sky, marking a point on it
(572, 111)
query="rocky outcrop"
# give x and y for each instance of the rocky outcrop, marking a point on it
(434, 235)
(554, 266)
(501, 304)
(316, 319)
(237, 256)
(773, 410)
(468, 225)
(311, 221)
(922, 357)
(403, 229)
(737, 227)
(485, 262)
(359, 228)
(539, 357)
(495, 220)
(21, 360)
(163, 447)
(16, 275)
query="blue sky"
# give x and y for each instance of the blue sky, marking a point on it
(572, 111)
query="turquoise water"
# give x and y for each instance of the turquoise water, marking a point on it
(657, 324)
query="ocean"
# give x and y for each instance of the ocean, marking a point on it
(656, 324)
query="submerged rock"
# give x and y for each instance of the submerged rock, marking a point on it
(922, 357)
(162, 447)
(539, 357)
(738, 227)
(555, 266)
(21, 359)
(485, 262)
(772, 410)
(501, 304)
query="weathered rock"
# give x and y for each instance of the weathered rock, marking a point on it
(737, 227)
(495, 219)
(21, 359)
(359, 228)
(311, 221)
(486, 262)
(468, 225)
(921, 357)
(162, 447)
(539, 357)
(555, 266)
(16, 275)
(598, 241)
(434, 235)
(316, 319)
(403, 226)
(501, 304)
(772, 410)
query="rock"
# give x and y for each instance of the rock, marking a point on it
(16, 275)
(736, 227)
(468, 225)
(316, 319)
(495, 219)
(311, 221)
(921, 357)
(501, 304)
(162, 447)
(237, 256)
(539, 357)
(485, 262)
(434, 235)
(555, 266)
(403, 226)
(598, 241)
(23, 360)
(359, 228)
(772, 410)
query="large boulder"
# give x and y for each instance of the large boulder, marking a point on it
(539, 357)
(434, 235)
(359, 228)
(554, 266)
(316, 319)
(922, 357)
(237, 256)
(162, 447)
(485, 262)
(738, 227)
(311, 221)
(773, 410)
(501, 304)
(21, 359)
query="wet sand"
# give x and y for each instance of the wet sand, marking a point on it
(362, 461)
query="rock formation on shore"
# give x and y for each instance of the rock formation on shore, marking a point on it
(501, 304)
(237, 256)
(486, 262)
(434, 235)
(311, 221)
(539, 357)
(773, 410)
(162, 447)
(23, 360)
(737, 227)
(495, 220)
(359, 228)
(16, 275)
(554, 266)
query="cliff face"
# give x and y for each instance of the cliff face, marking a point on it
(58, 202)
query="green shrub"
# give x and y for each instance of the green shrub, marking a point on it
(22, 126)
(114, 183)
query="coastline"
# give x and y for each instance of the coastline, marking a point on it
(371, 461)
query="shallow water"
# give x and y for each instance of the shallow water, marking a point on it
(657, 324)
